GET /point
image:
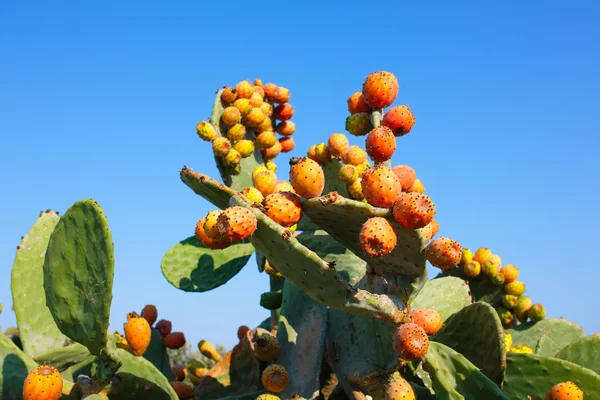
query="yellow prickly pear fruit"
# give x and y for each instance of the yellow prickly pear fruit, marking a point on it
(265, 139)
(348, 174)
(206, 131)
(208, 350)
(322, 153)
(510, 272)
(244, 147)
(271, 166)
(515, 288)
(221, 146)
(284, 186)
(253, 194)
(355, 190)
(236, 132)
(265, 182)
(508, 341)
(467, 257)
(472, 269)
(210, 225)
(232, 158)
(482, 254)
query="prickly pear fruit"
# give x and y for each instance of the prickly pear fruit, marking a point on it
(196, 368)
(322, 153)
(406, 175)
(359, 124)
(268, 396)
(164, 327)
(206, 240)
(284, 186)
(428, 319)
(414, 210)
(506, 317)
(208, 350)
(510, 272)
(522, 308)
(237, 223)
(150, 314)
(380, 186)
(271, 152)
(271, 300)
(380, 89)
(244, 89)
(348, 174)
(244, 147)
(283, 112)
(355, 156)
(253, 194)
(338, 145)
(472, 269)
(283, 95)
(275, 378)
(243, 106)
(417, 187)
(508, 341)
(286, 128)
(206, 131)
(265, 139)
(232, 158)
(270, 91)
(443, 253)
(272, 271)
(307, 177)
(138, 333)
(242, 331)
(43, 383)
(564, 391)
(410, 342)
(380, 144)
(498, 279)
(357, 104)
(397, 388)
(182, 389)
(536, 313)
(265, 181)
(174, 340)
(355, 190)
(515, 288)
(466, 257)
(265, 346)
(231, 116)
(429, 231)
(221, 146)
(254, 118)
(489, 268)
(509, 301)
(179, 372)
(228, 95)
(236, 132)
(287, 144)
(256, 99)
(377, 237)
(284, 208)
(399, 119)
(521, 348)
(482, 254)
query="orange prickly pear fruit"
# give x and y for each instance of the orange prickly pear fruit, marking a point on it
(244, 89)
(380, 186)
(407, 176)
(510, 272)
(179, 372)
(380, 144)
(122, 343)
(286, 128)
(357, 104)
(284, 208)
(138, 333)
(283, 95)
(417, 187)
(283, 112)
(414, 210)
(182, 389)
(380, 89)
(206, 240)
(242, 331)
(237, 223)
(355, 156)
(338, 145)
(275, 378)
(377, 237)
(208, 350)
(410, 342)
(287, 144)
(307, 177)
(270, 91)
(228, 95)
(265, 181)
(43, 383)
(150, 314)
(443, 253)
(398, 388)
(174, 340)
(564, 391)
(428, 319)
(273, 151)
(266, 346)
(399, 119)
(482, 254)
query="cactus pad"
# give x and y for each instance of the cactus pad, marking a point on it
(476, 332)
(205, 186)
(78, 274)
(64, 357)
(546, 346)
(37, 330)
(563, 332)
(14, 367)
(482, 288)
(446, 295)
(157, 354)
(533, 375)
(585, 352)
(193, 267)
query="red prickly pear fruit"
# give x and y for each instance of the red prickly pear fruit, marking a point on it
(307, 177)
(270, 91)
(564, 391)
(381, 186)
(428, 319)
(380, 144)
(506, 317)
(399, 119)
(174, 340)
(179, 372)
(271, 152)
(417, 187)
(265, 181)
(137, 333)
(536, 313)
(221, 146)
(338, 145)
(284, 208)
(43, 383)
(348, 174)
(443, 253)
(265, 346)
(253, 194)
(244, 89)
(243, 105)
(414, 210)
(509, 301)
(283, 112)
(357, 104)
(398, 388)
(355, 156)
(182, 390)
(255, 117)
(429, 231)
(286, 128)
(265, 139)
(407, 176)
(359, 124)
(229, 95)
(206, 131)
(275, 378)
(242, 331)
(472, 269)
(164, 327)
(231, 116)
(410, 342)
(150, 313)
(236, 132)
(237, 223)
(510, 272)
(287, 144)
(283, 95)
(377, 237)
(515, 288)
(380, 89)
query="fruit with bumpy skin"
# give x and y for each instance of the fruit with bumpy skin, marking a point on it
(231, 116)
(508, 341)
(275, 378)
(179, 372)
(312, 153)
(489, 268)
(256, 100)
(398, 388)
(338, 145)
(257, 82)
(307, 177)
(521, 348)
(242, 331)
(283, 95)
(267, 109)
(221, 146)
(284, 186)
(237, 223)
(271, 166)
(497, 279)
(380, 144)
(399, 119)
(206, 240)
(564, 391)
(359, 124)
(210, 225)
(265, 126)
(414, 210)
(268, 396)
(410, 342)
(482, 254)
(265, 139)
(466, 257)
(265, 182)
(381, 186)
(521, 309)
(355, 190)
(284, 208)
(510, 272)
(286, 128)
(243, 105)
(271, 152)
(228, 95)
(244, 89)
(355, 155)
(283, 112)
(348, 174)
(149, 313)
(509, 301)
(206, 131)
(443, 253)
(253, 194)
(506, 317)
(137, 333)
(236, 132)
(174, 340)
(377, 237)
(255, 117)
(322, 153)
(182, 389)
(164, 327)
(472, 269)
(270, 91)
(43, 383)
(428, 319)
(536, 313)
(208, 350)
(429, 230)
(259, 90)
(287, 144)
(417, 187)
(406, 175)
(380, 89)
(516, 288)
(266, 346)
(244, 147)
(232, 158)
(357, 104)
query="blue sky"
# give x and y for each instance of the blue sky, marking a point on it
(101, 100)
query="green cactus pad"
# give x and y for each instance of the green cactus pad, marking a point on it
(311, 274)
(301, 334)
(14, 368)
(446, 295)
(343, 218)
(64, 357)
(563, 332)
(156, 353)
(482, 288)
(533, 375)
(454, 377)
(546, 346)
(83, 367)
(78, 274)
(476, 333)
(585, 353)
(37, 330)
(260, 261)
(403, 285)
(193, 267)
(205, 186)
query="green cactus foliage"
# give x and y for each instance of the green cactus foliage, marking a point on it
(454, 377)
(331, 170)
(203, 185)
(84, 367)
(37, 330)
(343, 219)
(421, 392)
(447, 295)
(193, 267)
(64, 357)
(482, 288)
(301, 334)
(585, 352)
(78, 274)
(533, 375)
(157, 354)
(546, 346)
(14, 367)
(476, 333)
(563, 332)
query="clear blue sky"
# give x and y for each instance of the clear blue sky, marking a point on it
(101, 100)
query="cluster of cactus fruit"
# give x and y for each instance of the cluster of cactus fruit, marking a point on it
(344, 243)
